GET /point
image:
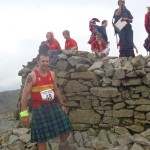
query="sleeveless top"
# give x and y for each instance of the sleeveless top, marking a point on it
(42, 84)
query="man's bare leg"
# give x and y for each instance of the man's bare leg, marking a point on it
(42, 146)
(64, 137)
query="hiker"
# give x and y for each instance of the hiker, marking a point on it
(99, 46)
(51, 42)
(126, 33)
(49, 118)
(102, 30)
(54, 48)
(147, 20)
(70, 44)
(93, 28)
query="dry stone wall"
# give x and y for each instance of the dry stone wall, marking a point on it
(109, 93)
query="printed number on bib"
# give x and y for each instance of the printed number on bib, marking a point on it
(47, 94)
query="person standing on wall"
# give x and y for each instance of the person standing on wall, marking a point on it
(126, 33)
(102, 30)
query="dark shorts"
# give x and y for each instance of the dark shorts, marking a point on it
(49, 121)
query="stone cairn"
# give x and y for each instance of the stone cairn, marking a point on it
(108, 102)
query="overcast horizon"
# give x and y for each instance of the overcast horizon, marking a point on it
(24, 25)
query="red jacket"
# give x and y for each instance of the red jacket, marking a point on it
(96, 45)
(147, 22)
(69, 43)
(53, 44)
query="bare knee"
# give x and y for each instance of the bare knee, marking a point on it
(64, 137)
(42, 146)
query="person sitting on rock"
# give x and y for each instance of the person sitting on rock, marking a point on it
(70, 44)
(51, 42)
(53, 45)
(99, 46)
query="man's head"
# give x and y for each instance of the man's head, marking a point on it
(148, 8)
(43, 61)
(104, 23)
(98, 36)
(49, 36)
(121, 2)
(66, 34)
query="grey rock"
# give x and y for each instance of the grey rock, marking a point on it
(83, 75)
(62, 65)
(119, 74)
(75, 86)
(82, 67)
(84, 116)
(96, 65)
(146, 79)
(131, 82)
(136, 147)
(104, 92)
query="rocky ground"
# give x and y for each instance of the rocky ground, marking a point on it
(118, 138)
(8, 105)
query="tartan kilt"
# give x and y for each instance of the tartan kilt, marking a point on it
(49, 121)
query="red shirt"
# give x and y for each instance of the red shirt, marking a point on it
(54, 45)
(41, 84)
(70, 43)
(147, 21)
(96, 45)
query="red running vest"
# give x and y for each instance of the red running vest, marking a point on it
(41, 83)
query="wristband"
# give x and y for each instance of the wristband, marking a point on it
(24, 113)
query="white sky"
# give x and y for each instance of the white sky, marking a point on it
(24, 23)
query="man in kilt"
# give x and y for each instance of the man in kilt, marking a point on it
(49, 118)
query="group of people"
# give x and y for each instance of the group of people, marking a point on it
(49, 114)
(122, 20)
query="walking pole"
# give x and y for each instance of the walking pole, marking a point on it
(117, 41)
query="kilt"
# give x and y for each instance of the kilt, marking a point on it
(49, 121)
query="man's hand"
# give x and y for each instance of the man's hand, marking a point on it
(25, 121)
(64, 109)
(124, 19)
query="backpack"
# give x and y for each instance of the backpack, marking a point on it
(92, 23)
(43, 48)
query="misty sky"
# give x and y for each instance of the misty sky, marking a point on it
(24, 24)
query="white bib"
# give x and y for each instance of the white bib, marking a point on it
(47, 94)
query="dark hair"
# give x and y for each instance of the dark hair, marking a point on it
(121, 0)
(104, 21)
(43, 48)
(42, 54)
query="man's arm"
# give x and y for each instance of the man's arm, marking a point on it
(26, 91)
(74, 44)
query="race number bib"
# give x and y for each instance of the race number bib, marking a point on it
(47, 94)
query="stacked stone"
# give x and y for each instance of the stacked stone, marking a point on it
(103, 93)
(19, 139)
